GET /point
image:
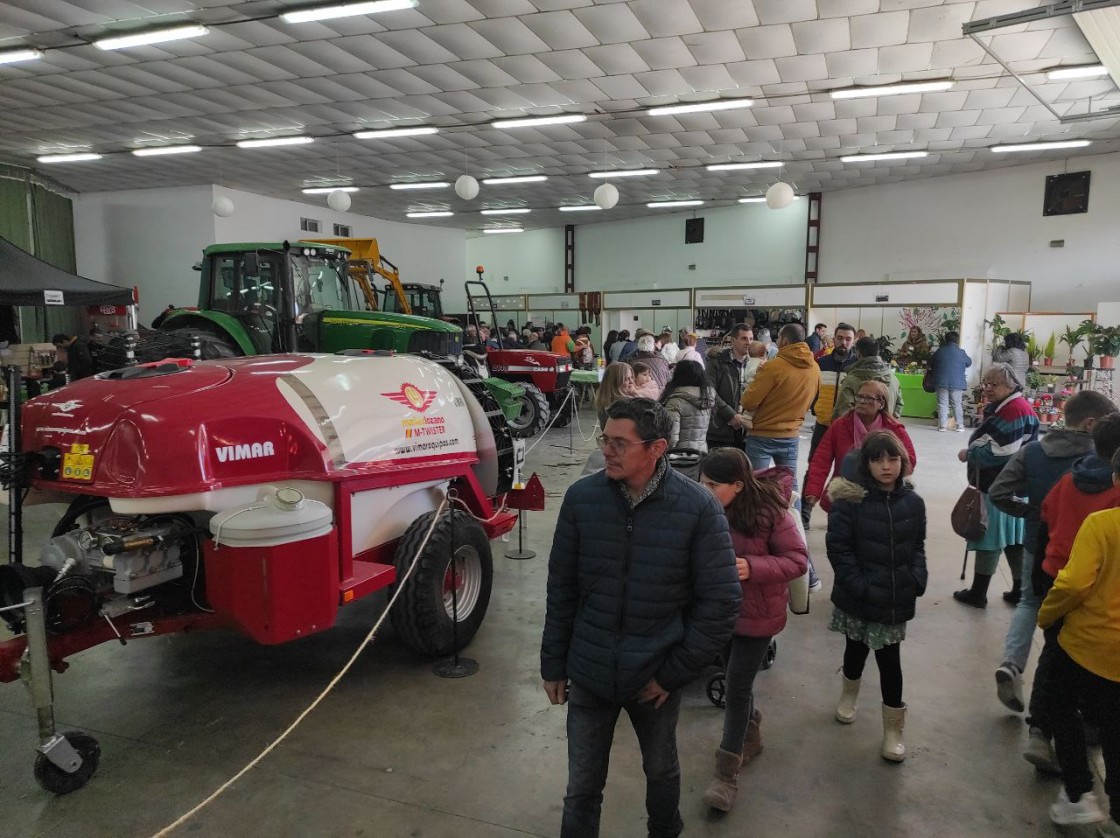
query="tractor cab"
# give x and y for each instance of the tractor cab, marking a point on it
(423, 300)
(271, 290)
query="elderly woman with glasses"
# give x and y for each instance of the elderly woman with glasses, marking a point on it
(846, 434)
(1009, 424)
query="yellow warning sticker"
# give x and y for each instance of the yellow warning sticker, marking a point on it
(77, 465)
(79, 448)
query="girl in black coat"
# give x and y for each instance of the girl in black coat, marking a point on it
(876, 544)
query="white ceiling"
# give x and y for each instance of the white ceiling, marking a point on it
(458, 64)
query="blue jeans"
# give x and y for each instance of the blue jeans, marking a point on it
(944, 396)
(591, 723)
(781, 452)
(1017, 644)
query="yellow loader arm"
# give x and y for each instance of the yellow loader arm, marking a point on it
(366, 260)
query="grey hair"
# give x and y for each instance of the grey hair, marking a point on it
(646, 343)
(1004, 370)
(763, 335)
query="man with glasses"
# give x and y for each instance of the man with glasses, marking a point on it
(642, 595)
(831, 369)
(725, 371)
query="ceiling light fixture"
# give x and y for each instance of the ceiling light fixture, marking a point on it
(345, 10)
(735, 167)
(532, 122)
(157, 150)
(701, 107)
(504, 230)
(624, 173)
(668, 204)
(427, 184)
(76, 157)
(499, 181)
(1085, 71)
(579, 208)
(1051, 146)
(389, 133)
(327, 190)
(430, 214)
(16, 55)
(892, 89)
(889, 155)
(761, 199)
(154, 36)
(510, 211)
(275, 141)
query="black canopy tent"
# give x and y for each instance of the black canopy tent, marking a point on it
(24, 279)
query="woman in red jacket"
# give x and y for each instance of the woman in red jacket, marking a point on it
(770, 553)
(847, 432)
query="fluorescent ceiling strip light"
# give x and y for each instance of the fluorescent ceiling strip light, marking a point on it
(734, 167)
(1041, 146)
(624, 173)
(327, 190)
(701, 107)
(892, 89)
(156, 151)
(499, 181)
(1086, 71)
(68, 158)
(504, 230)
(532, 122)
(389, 133)
(16, 55)
(761, 199)
(668, 204)
(430, 184)
(346, 10)
(433, 214)
(155, 36)
(890, 155)
(512, 211)
(275, 141)
(580, 208)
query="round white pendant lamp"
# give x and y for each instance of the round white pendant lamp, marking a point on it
(606, 196)
(779, 196)
(222, 207)
(466, 187)
(338, 201)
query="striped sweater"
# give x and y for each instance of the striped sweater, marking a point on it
(1006, 428)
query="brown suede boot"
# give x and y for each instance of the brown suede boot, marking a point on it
(752, 745)
(721, 791)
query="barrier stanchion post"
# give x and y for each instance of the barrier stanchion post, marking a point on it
(520, 554)
(454, 666)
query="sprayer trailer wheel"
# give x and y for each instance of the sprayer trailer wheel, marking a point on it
(534, 412)
(55, 780)
(422, 616)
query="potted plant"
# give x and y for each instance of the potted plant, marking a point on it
(1034, 351)
(1000, 330)
(1049, 349)
(1072, 338)
(1105, 342)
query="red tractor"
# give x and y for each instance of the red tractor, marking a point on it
(545, 376)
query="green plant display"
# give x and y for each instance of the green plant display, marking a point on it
(1000, 330)
(1073, 338)
(1034, 351)
(1051, 347)
(1104, 340)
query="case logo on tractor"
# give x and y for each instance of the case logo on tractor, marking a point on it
(248, 451)
(412, 396)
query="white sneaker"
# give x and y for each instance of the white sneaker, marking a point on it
(942, 430)
(1009, 687)
(1084, 811)
(1040, 752)
(816, 585)
(961, 429)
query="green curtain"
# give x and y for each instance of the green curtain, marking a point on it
(41, 222)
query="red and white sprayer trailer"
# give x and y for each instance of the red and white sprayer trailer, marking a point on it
(257, 493)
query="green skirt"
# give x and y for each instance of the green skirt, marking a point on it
(874, 635)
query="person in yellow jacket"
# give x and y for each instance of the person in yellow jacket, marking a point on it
(1086, 671)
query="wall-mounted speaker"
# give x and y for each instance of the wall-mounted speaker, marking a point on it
(1066, 194)
(693, 230)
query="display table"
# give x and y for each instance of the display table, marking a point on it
(917, 403)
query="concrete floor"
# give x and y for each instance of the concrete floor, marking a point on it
(396, 751)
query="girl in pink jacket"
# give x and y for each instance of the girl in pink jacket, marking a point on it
(770, 553)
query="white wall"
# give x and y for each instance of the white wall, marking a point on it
(149, 238)
(984, 225)
(533, 261)
(421, 253)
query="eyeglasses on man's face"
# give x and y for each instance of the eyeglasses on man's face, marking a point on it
(618, 445)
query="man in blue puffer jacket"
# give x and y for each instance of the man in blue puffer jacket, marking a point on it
(642, 595)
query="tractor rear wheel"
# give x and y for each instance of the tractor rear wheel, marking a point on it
(565, 410)
(534, 413)
(440, 587)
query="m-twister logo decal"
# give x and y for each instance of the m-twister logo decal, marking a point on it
(412, 396)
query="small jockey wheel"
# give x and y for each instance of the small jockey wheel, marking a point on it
(771, 654)
(60, 781)
(717, 690)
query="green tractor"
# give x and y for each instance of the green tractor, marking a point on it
(261, 298)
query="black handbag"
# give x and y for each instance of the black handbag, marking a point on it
(970, 514)
(927, 381)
